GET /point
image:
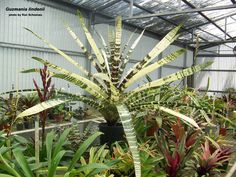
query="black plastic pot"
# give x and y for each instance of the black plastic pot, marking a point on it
(19, 126)
(111, 133)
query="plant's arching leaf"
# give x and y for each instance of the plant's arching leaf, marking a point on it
(181, 116)
(154, 66)
(20, 158)
(32, 70)
(173, 77)
(92, 42)
(67, 57)
(128, 126)
(41, 107)
(76, 79)
(84, 49)
(82, 149)
(155, 105)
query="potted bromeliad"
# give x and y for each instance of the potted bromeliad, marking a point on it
(109, 85)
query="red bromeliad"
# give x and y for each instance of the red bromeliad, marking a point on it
(176, 148)
(173, 163)
(44, 95)
(211, 158)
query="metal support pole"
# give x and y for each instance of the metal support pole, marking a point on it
(90, 27)
(160, 69)
(185, 65)
(191, 81)
(131, 5)
(36, 137)
(225, 27)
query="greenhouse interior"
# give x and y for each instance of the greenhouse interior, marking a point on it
(118, 88)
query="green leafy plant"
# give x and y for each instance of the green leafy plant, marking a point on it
(109, 87)
(19, 165)
(149, 158)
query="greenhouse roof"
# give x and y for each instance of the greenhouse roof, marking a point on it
(214, 21)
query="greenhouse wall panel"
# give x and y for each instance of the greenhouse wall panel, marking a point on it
(50, 26)
(15, 60)
(218, 80)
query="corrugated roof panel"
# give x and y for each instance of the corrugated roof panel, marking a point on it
(120, 8)
(162, 5)
(210, 31)
(230, 25)
(219, 13)
(207, 3)
(91, 4)
(156, 24)
(187, 19)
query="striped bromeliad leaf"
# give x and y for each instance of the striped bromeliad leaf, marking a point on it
(111, 40)
(130, 51)
(173, 77)
(67, 57)
(154, 66)
(114, 91)
(106, 62)
(128, 126)
(84, 83)
(122, 55)
(92, 42)
(105, 46)
(162, 45)
(84, 49)
(41, 107)
(116, 59)
(152, 105)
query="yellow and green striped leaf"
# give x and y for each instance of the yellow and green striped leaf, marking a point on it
(116, 59)
(84, 49)
(67, 57)
(130, 51)
(154, 66)
(162, 45)
(41, 107)
(181, 116)
(128, 126)
(76, 79)
(91, 41)
(173, 77)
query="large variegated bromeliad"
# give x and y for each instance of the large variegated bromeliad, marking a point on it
(108, 86)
